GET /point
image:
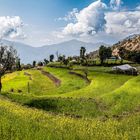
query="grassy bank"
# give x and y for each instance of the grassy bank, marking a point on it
(106, 108)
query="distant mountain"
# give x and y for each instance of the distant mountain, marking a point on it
(70, 48)
(131, 43)
(28, 53)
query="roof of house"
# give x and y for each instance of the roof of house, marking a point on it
(124, 67)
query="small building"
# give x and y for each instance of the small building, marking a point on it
(125, 69)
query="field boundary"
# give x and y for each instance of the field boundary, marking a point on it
(28, 74)
(55, 80)
(81, 76)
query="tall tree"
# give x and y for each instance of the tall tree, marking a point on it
(82, 52)
(104, 53)
(108, 52)
(34, 64)
(8, 57)
(18, 65)
(51, 58)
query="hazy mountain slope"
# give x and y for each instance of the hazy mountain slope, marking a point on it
(28, 53)
(70, 48)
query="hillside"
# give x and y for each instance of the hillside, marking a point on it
(73, 110)
(131, 43)
(28, 53)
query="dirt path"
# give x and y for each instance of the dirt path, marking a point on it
(28, 74)
(81, 76)
(56, 81)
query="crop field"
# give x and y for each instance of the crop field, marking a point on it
(62, 104)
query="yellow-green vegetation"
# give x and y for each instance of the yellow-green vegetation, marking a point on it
(41, 84)
(38, 83)
(13, 81)
(106, 108)
(17, 122)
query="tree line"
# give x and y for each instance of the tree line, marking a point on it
(9, 60)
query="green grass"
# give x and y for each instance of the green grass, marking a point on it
(101, 83)
(68, 82)
(17, 122)
(126, 98)
(107, 108)
(39, 85)
(81, 108)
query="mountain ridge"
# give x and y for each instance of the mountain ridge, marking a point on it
(28, 53)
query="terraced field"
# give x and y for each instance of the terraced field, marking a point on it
(107, 107)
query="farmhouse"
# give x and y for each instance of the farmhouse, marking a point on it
(126, 69)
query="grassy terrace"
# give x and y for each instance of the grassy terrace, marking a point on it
(106, 108)
(18, 122)
(40, 84)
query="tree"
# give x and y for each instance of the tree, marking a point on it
(51, 58)
(104, 53)
(65, 60)
(40, 64)
(82, 52)
(46, 61)
(28, 66)
(8, 57)
(122, 52)
(18, 65)
(136, 57)
(34, 64)
(129, 55)
(61, 58)
(108, 52)
(133, 56)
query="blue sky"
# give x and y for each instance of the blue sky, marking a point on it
(40, 19)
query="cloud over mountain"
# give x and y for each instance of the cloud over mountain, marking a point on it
(11, 27)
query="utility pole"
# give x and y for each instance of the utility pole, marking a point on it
(28, 86)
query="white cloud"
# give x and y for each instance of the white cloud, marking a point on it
(11, 27)
(115, 4)
(90, 20)
(138, 8)
(100, 22)
(70, 16)
(123, 22)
